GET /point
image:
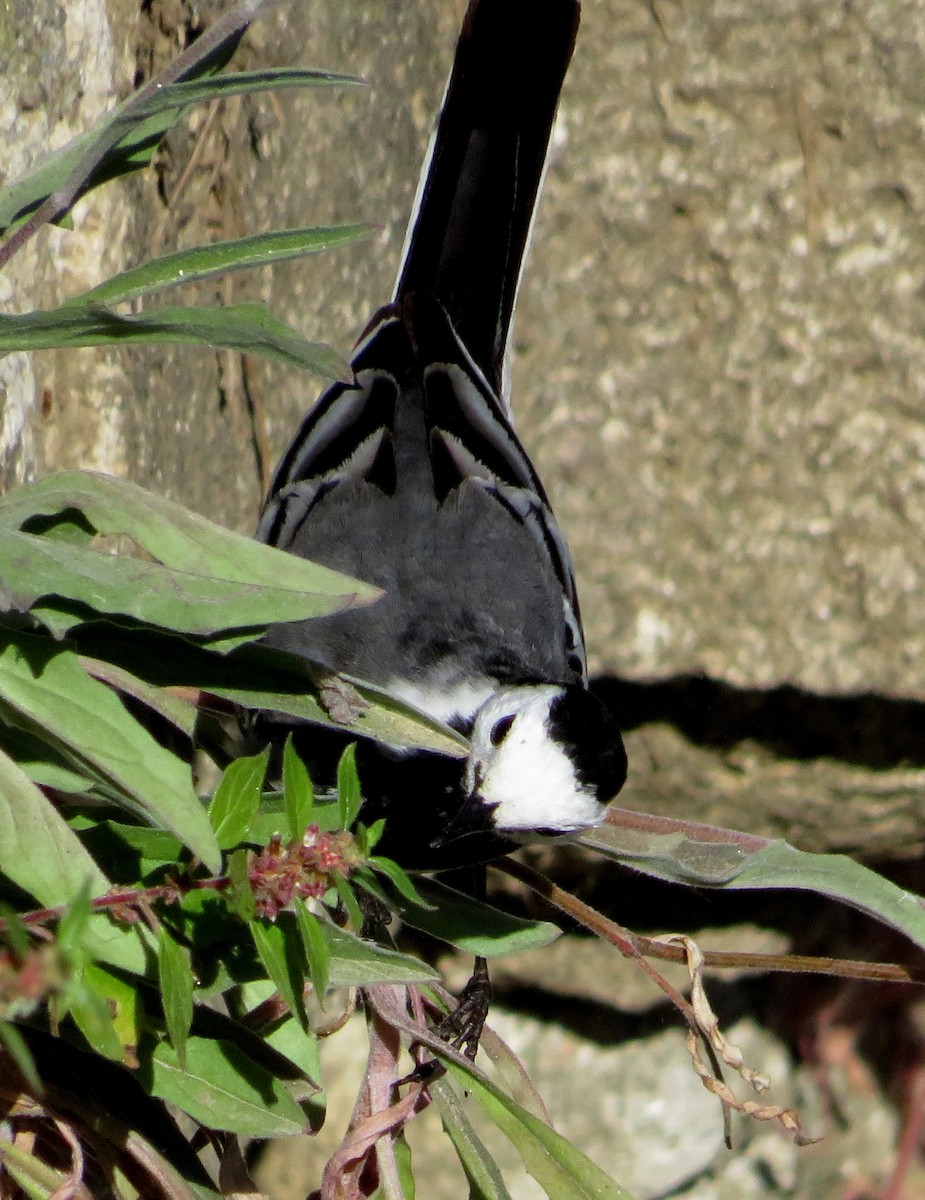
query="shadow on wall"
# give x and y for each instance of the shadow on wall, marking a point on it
(866, 729)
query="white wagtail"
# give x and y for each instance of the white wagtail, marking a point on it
(413, 479)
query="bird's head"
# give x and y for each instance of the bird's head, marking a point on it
(544, 761)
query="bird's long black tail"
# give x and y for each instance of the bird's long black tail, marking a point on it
(471, 225)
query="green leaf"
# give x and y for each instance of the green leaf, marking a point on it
(317, 949)
(485, 1181)
(471, 925)
(15, 935)
(349, 797)
(249, 328)
(21, 1055)
(695, 854)
(561, 1170)
(60, 583)
(271, 820)
(348, 900)
(72, 927)
(404, 1172)
(37, 1180)
(204, 553)
(123, 1006)
(241, 895)
(366, 880)
(123, 995)
(142, 127)
(200, 262)
(237, 799)
(41, 855)
(374, 835)
(287, 683)
(280, 954)
(289, 686)
(357, 963)
(300, 1047)
(298, 792)
(128, 853)
(175, 977)
(224, 1089)
(238, 83)
(41, 763)
(93, 1018)
(399, 878)
(179, 713)
(45, 690)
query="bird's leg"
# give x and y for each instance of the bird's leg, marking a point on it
(462, 1027)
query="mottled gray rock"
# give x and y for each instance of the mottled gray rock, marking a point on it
(61, 67)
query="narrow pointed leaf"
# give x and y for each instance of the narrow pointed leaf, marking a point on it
(139, 129)
(72, 928)
(298, 792)
(175, 978)
(224, 1089)
(695, 854)
(317, 950)
(190, 266)
(399, 879)
(93, 1018)
(175, 536)
(237, 799)
(45, 689)
(37, 1180)
(123, 1001)
(485, 1181)
(301, 1048)
(356, 963)
(561, 1170)
(348, 900)
(349, 797)
(471, 925)
(179, 713)
(249, 328)
(44, 857)
(387, 722)
(59, 583)
(241, 894)
(44, 766)
(16, 1047)
(276, 946)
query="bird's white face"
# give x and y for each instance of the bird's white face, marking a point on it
(523, 778)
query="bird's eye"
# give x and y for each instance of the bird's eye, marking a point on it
(501, 729)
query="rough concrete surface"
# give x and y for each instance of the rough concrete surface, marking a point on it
(719, 364)
(61, 67)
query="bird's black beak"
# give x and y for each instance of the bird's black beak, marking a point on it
(473, 817)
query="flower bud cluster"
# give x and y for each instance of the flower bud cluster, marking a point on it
(305, 868)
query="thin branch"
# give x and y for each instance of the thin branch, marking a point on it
(637, 945)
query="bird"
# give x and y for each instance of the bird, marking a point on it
(410, 476)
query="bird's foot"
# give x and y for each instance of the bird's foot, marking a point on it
(461, 1028)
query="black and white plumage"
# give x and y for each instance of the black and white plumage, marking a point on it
(413, 479)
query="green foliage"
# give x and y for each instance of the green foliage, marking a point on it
(298, 792)
(237, 799)
(177, 986)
